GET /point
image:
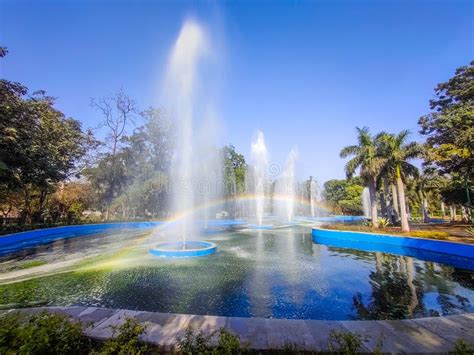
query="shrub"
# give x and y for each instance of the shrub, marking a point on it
(126, 340)
(45, 333)
(10, 336)
(344, 342)
(462, 347)
(200, 343)
(383, 222)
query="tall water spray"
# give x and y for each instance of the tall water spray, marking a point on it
(286, 188)
(366, 202)
(194, 165)
(260, 165)
(313, 193)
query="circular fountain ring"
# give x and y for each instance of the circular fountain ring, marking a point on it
(175, 249)
(260, 226)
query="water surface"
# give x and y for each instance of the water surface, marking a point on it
(276, 273)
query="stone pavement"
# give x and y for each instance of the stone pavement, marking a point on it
(423, 335)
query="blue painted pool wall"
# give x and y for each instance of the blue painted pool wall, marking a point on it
(457, 249)
(18, 241)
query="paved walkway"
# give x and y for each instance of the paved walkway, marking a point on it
(423, 335)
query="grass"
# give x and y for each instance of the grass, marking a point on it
(428, 234)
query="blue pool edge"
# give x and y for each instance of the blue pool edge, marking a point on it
(436, 246)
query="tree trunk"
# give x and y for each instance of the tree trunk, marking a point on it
(424, 210)
(396, 210)
(388, 207)
(464, 214)
(401, 196)
(373, 202)
(443, 212)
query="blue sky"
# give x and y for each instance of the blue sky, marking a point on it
(305, 73)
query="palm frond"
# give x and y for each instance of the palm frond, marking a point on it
(409, 170)
(402, 137)
(352, 165)
(413, 150)
(349, 150)
(364, 138)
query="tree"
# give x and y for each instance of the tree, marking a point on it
(396, 153)
(344, 194)
(39, 146)
(140, 168)
(367, 159)
(450, 128)
(118, 111)
(235, 169)
(69, 200)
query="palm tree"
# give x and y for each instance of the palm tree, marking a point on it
(366, 158)
(397, 152)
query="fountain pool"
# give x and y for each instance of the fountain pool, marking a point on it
(277, 273)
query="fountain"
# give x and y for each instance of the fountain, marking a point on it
(285, 188)
(366, 202)
(312, 195)
(195, 168)
(260, 166)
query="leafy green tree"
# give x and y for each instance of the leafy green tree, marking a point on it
(450, 128)
(345, 194)
(39, 146)
(135, 181)
(396, 153)
(234, 170)
(366, 158)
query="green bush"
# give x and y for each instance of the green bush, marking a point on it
(200, 343)
(10, 337)
(383, 222)
(126, 340)
(344, 342)
(45, 333)
(462, 347)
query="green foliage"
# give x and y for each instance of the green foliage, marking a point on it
(450, 126)
(383, 222)
(126, 340)
(10, 333)
(462, 347)
(201, 343)
(344, 342)
(344, 194)
(45, 333)
(131, 178)
(234, 171)
(39, 147)
(48, 333)
(365, 156)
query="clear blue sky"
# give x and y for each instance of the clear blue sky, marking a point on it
(306, 73)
